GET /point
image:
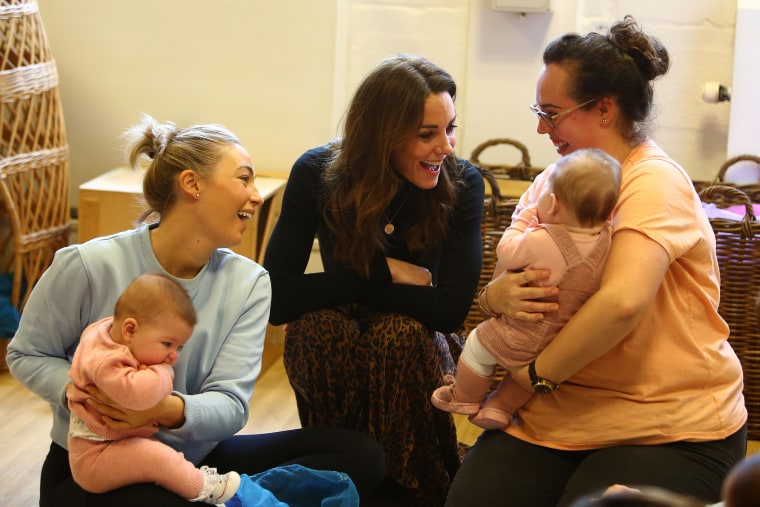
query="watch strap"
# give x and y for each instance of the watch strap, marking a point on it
(540, 385)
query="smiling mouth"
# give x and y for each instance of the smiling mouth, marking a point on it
(559, 145)
(245, 215)
(431, 166)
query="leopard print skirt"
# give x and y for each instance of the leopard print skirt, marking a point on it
(375, 372)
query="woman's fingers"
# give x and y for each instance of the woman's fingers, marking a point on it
(529, 275)
(96, 393)
(105, 410)
(524, 301)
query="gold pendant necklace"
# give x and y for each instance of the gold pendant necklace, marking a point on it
(389, 228)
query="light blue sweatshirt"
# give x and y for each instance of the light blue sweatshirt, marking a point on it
(217, 367)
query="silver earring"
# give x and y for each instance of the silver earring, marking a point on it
(604, 121)
(197, 195)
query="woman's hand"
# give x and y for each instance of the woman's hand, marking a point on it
(168, 412)
(508, 295)
(409, 274)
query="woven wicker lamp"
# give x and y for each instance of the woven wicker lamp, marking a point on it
(34, 157)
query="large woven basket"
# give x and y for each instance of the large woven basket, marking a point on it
(34, 157)
(497, 215)
(738, 248)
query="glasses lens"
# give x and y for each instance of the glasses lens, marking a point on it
(547, 118)
(543, 115)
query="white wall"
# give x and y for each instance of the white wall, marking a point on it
(263, 68)
(743, 136)
(280, 74)
(505, 57)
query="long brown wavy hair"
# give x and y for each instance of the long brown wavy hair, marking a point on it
(385, 112)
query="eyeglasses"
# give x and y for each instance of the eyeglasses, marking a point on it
(551, 119)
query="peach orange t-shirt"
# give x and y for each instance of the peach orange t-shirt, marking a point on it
(675, 377)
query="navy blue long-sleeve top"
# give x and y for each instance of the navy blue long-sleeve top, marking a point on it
(454, 263)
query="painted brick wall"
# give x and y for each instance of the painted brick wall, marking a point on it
(495, 57)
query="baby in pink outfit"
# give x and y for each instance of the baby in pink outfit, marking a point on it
(129, 358)
(569, 234)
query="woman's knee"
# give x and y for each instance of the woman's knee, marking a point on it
(400, 331)
(369, 469)
(501, 468)
(316, 334)
(321, 320)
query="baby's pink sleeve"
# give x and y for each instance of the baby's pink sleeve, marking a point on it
(134, 388)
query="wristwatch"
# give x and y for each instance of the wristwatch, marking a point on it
(540, 385)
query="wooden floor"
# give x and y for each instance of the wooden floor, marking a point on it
(25, 420)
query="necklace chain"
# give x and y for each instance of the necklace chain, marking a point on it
(389, 228)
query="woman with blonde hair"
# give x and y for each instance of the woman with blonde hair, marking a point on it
(200, 183)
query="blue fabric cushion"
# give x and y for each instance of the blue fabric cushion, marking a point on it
(295, 486)
(252, 494)
(9, 316)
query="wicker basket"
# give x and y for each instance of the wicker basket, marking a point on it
(751, 189)
(34, 166)
(497, 215)
(738, 248)
(522, 170)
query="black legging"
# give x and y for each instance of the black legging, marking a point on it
(319, 448)
(503, 470)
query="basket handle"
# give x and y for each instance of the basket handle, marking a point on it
(491, 180)
(731, 161)
(723, 193)
(521, 169)
(495, 196)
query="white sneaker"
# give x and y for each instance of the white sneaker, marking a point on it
(217, 488)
